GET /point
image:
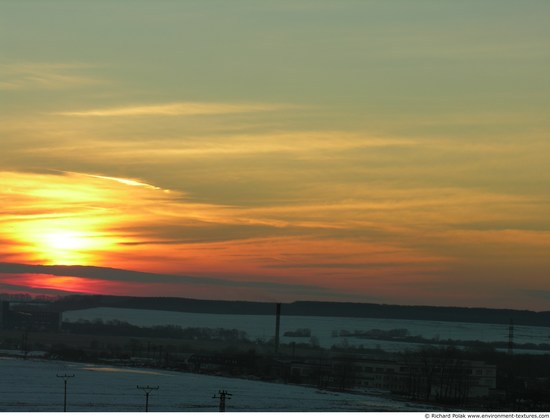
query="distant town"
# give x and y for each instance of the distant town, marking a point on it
(475, 375)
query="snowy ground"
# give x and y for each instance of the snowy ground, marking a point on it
(32, 386)
(262, 327)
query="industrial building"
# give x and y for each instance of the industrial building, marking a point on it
(419, 378)
(28, 316)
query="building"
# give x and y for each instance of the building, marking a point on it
(28, 317)
(417, 376)
(433, 378)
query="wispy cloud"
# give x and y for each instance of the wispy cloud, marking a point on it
(124, 181)
(50, 76)
(305, 145)
(179, 109)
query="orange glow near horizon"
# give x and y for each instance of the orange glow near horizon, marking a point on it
(43, 283)
(396, 249)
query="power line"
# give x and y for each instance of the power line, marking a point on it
(147, 391)
(223, 395)
(65, 379)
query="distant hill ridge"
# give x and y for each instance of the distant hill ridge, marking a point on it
(309, 308)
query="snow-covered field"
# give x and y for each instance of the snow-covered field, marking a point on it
(32, 386)
(262, 327)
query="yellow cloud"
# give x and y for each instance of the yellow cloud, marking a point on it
(306, 144)
(178, 109)
(77, 218)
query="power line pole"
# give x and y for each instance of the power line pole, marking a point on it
(147, 391)
(65, 379)
(223, 395)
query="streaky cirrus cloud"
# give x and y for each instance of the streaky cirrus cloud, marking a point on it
(47, 76)
(308, 145)
(179, 109)
(129, 182)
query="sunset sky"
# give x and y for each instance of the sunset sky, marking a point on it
(280, 150)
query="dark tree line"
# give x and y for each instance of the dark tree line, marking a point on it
(120, 328)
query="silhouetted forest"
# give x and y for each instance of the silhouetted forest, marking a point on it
(309, 308)
(120, 328)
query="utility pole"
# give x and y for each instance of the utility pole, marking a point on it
(65, 379)
(147, 391)
(222, 396)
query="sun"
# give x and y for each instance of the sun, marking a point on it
(66, 241)
(65, 247)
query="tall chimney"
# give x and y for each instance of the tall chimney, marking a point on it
(277, 326)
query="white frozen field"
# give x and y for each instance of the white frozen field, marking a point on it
(32, 386)
(263, 327)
